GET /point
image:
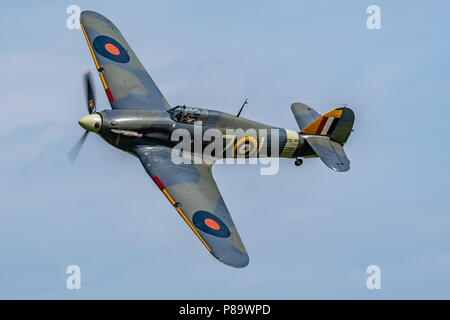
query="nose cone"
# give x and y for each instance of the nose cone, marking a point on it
(91, 122)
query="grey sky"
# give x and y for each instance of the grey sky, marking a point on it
(310, 232)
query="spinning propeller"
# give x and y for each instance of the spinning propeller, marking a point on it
(91, 122)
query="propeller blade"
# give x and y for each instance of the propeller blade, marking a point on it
(73, 153)
(89, 91)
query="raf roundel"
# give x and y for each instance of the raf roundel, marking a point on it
(209, 223)
(111, 49)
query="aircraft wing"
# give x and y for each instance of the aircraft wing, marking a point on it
(191, 189)
(126, 82)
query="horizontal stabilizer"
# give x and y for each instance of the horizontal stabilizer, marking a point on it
(304, 114)
(330, 152)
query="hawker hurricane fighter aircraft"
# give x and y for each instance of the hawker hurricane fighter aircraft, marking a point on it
(143, 123)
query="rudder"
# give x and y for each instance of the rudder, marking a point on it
(336, 124)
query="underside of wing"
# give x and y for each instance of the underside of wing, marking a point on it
(191, 189)
(126, 82)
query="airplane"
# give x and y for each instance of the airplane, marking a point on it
(142, 123)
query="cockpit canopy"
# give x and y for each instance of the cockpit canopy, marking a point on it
(187, 115)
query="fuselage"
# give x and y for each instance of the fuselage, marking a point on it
(233, 136)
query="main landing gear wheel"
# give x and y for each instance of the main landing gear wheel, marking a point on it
(298, 162)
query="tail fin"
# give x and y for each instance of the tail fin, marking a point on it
(336, 124)
(326, 134)
(303, 114)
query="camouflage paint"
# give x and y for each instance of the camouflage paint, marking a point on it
(140, 124)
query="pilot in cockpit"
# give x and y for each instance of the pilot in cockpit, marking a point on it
(185, 114)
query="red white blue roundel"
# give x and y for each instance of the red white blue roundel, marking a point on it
(111, 49)
(209, 223)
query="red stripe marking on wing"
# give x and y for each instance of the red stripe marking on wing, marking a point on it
(158, 183)
(110, 96)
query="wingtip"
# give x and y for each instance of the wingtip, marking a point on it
(237, 260)
(89, 13)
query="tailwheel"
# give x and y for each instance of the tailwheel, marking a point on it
(298, 162)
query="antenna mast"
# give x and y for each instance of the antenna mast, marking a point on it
(243, 105)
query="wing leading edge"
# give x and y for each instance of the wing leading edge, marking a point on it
(126, 82)
(191, 189)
